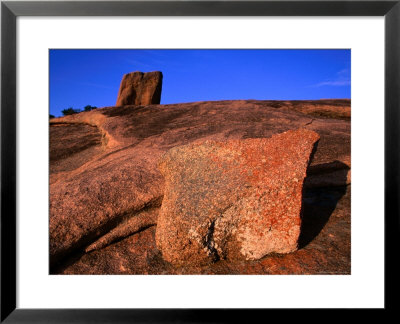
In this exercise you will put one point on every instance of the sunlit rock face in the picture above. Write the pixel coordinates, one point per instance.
(235, 200)
(142, 89)
(106, 189)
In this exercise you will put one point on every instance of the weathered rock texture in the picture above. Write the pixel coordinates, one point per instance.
(233, 200)
(138, 88)
(82, 143)
(106, 188)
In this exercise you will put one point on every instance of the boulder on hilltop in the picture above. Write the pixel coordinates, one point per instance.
(142, 89)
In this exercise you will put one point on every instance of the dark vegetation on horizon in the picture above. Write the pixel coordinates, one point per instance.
(72, 111)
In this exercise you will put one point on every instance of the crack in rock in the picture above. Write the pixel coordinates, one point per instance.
(309, 123)
(130, 224)
(210, 244)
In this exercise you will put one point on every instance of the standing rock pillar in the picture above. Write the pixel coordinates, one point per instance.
(138, 88)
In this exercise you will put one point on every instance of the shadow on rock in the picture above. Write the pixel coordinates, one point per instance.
(320, 202)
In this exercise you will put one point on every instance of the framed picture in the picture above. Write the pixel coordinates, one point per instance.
(287, 69)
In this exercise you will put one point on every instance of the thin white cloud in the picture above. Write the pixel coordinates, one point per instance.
(334, 83)
(343, 72)
(342, 79)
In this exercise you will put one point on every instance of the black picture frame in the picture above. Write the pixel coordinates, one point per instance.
(10, 10)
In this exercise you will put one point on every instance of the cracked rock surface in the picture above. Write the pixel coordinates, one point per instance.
(106, 189)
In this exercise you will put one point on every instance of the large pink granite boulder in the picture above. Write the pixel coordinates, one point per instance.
(235, 200)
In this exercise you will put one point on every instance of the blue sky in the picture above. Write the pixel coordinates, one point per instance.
(92, 77)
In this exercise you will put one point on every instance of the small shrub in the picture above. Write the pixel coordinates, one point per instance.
(89, 108)
(70, 111)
